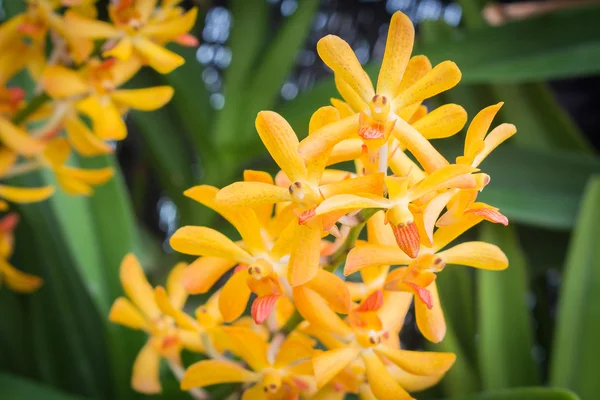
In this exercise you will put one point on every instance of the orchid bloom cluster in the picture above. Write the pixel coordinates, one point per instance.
(78, 102)
(311, 333)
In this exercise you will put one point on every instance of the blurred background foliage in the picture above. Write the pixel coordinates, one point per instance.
(536, 324)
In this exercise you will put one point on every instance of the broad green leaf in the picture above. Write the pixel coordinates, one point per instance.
(15, 336)
(576, 352)
(505, 333)
(462, 377)
(530, 393)
(16, 388)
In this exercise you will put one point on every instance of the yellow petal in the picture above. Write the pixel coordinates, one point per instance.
(431, 322)
(159, 58)
(145, 8)
(476, 254)
(60, 82)
(329, 363)
(89, 176)
(413, 383)
(394, 310)
(175, 289)
(251, 194)
(122, 50)
(305, 255)
(18, 140)
(74, 187)
(419, 113)
(17, 280)
(122, 71)
(498, 135)
(323, 140)
(398, 47)
(234, 296)
(108, 124)
(282, 143)
(57, 152)
(25, 195)
(442, 122)
(296, 347)
(79, 26)
(213, 372)
(418, 362)
(8, 158)
(372, 183)
(446, 234)
(203, 273)
(442, 77)
(170, 29)
(343, 108)
(429, 158)
(148, 99)
(83, 139)
(433, 210)
(402, 165)
(346, 150)
(316, 311)
(320, 118)
(352, 98)
(479, 127)
(146, 371)
(263, 212)
(418, 67)
(382, 384)
(350, 202)
(182, 319)
(338, 55)
(203, 241)
(255, 392)
(244, 220)
(374, 254)
(332, 289)
(123, 312)
(379, 232)
(137, 288)
(191, 341)
(439, 179)
(286, 240)
(248, 345)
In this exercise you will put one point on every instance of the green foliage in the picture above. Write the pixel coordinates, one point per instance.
(15, 388)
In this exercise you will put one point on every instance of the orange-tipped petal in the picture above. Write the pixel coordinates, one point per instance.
(476, 254)
(329, 363)
(323, 140)
(332, 289)
(234, 296)
(488, 213)
(136, 286)
(372, 303)
(442, 122)
(338, 55)
(123, 312)
(316, 311)
(431, 321)
(382, 384)
(400, 40)
(146, 370)
(305, 255)
(282, 143)
(442, 77)
(262, 307)
(148, 99)
(407, 238)
(252, 194)
(213, 372)
(203, 273)
(203, 241)
(371, 255)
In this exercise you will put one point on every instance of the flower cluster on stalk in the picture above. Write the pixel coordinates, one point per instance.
(61, 100)
(313, 334)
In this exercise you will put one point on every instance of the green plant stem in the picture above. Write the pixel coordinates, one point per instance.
(31, 107)
(340, 254)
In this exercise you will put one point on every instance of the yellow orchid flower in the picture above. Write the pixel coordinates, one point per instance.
(93, 91)
(140, 311)
(419, 275)
(305, 185)
(402, 85)
(73, 180)
(263, 262)
(139, 29)
(16, 194)
(374, 359)
(10, 276)
(277, 371)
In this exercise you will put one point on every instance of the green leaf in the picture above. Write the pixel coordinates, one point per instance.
(505, 332)
(576, 351)
(532, 393)
(15, 388)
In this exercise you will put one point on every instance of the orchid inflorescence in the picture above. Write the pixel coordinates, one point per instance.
(77, 92)
(312, 334)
